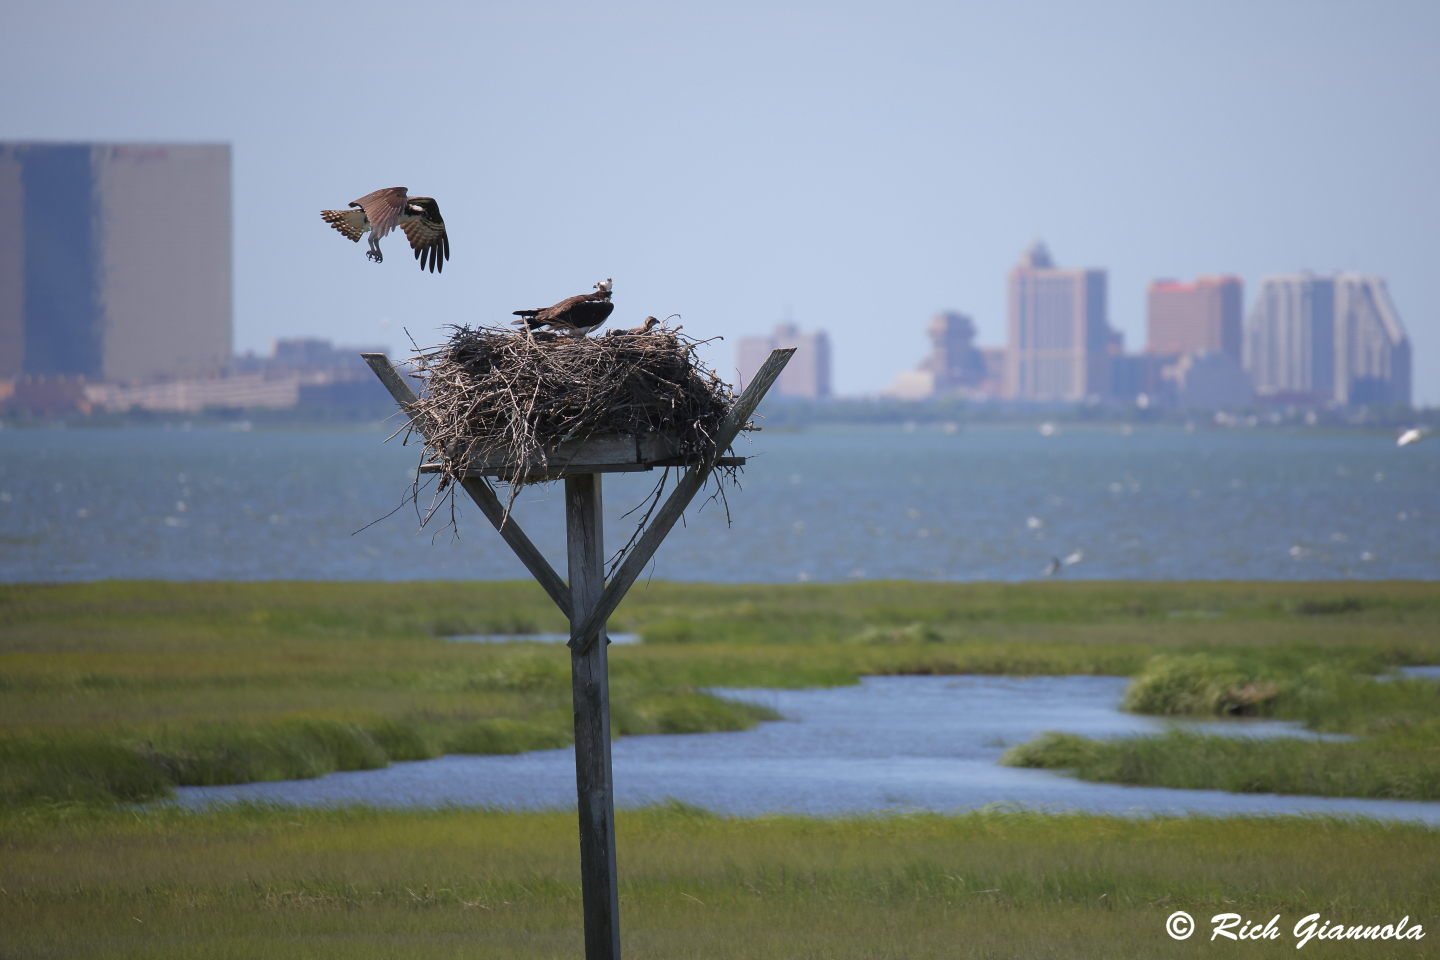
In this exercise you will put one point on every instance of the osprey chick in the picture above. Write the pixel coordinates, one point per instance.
(382, 211)
(650, 324)
(576, 315)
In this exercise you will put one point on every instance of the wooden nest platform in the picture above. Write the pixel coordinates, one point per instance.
(527, 408)
(523, 408)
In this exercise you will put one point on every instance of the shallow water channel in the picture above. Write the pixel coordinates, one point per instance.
(889, 743)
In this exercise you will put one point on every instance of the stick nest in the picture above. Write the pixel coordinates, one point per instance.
(492, 391)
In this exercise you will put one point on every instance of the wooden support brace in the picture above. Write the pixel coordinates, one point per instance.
(484, 497)
(634, 563)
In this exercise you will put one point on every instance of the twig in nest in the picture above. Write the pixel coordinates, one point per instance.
(510, 399)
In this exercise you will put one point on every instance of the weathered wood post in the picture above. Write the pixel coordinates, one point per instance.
(588, 602)
(590, 689)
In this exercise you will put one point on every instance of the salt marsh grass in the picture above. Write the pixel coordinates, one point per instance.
(122, 689)
(1390, 728)
(256, 881)
(115, 691)
(1401, 766)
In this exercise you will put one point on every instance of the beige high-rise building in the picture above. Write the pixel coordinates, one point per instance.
(955, 367)
(1323, 338)
(115, 260)
(954, 361)
(1195, 317)
(805, 377)
(1059, 338)
(1372, 350)
(1290, 337)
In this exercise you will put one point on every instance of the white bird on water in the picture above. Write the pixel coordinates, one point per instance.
(1074, 558)
(1410, 436)
(1053, 567)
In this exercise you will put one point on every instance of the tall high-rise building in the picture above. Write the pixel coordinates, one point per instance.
(954, 361)
(1059, 338)
(114, 259)
(1372, 351)
(1195, 317)
(1290, 340)
(805, 377)
(954, 366)
(1328, 338)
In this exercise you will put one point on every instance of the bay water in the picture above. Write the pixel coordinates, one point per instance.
(832, 504)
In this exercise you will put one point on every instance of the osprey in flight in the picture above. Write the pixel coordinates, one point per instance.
(576, 315)
(383, 211)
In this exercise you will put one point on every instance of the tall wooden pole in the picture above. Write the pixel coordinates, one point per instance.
(588, 602)
(590, 688)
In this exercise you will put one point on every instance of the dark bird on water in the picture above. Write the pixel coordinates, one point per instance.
(382, 211)
(650, 324)
(576, 315)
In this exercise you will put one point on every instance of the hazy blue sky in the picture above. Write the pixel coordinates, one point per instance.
(859, 164)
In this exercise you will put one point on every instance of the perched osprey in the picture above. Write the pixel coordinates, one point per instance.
(383, 211)
(650, 324)
(576, 315)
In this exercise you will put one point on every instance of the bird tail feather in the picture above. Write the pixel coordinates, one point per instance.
(350, 223)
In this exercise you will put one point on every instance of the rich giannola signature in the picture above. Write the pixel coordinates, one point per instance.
(1233, 926)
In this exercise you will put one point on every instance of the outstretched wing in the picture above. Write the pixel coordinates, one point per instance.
(384, 208)
(427, 235)
(351, 223)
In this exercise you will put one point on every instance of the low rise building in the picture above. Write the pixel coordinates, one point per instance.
(1208, 380)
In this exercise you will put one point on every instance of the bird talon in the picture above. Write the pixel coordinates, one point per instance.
(374, 255)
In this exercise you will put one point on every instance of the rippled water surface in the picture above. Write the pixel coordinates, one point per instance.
(983, 503)
(928, 743)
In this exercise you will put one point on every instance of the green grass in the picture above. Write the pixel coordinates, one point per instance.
(1394, 726)
(120, 690)
(1393, 767)
(259, 882)
(115, 691)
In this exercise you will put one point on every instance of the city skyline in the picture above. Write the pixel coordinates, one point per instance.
(99, 217)
(852, 163)
(1307, 338)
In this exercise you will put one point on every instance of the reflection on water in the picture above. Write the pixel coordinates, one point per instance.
(825, 505)
(889, 743)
